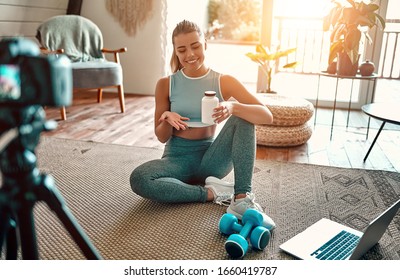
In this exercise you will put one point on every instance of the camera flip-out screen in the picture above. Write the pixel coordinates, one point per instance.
(10, 82)
(29, 78)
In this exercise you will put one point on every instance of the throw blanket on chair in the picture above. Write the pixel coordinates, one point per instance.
(80, 38)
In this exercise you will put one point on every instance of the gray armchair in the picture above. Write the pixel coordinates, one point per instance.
(82, 41)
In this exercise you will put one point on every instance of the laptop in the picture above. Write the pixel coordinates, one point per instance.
(329, 240)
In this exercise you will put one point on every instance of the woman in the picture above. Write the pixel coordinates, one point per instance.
(194, 158)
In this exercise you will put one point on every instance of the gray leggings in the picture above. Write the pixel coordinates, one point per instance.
(180, 174)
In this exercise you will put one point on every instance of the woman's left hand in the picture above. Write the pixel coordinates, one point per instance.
(222, 112)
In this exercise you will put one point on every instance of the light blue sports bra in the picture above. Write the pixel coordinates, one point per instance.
(185, 94)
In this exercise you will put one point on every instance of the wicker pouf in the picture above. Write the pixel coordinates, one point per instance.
(290, 126)
(283, 136)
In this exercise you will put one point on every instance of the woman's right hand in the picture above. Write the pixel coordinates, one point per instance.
(174, 119)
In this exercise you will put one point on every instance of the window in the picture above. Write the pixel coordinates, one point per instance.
(234, 20)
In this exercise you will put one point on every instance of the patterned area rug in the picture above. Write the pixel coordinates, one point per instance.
(93, 178)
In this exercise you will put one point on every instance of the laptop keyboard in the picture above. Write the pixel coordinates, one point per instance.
(338, 248)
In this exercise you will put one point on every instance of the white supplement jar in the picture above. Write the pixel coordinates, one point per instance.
(208, 103)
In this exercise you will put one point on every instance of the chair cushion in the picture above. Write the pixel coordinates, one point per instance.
(96, 74)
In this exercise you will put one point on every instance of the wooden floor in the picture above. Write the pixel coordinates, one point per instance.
(102, 122)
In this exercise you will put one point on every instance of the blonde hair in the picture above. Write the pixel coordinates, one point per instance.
(182, 27)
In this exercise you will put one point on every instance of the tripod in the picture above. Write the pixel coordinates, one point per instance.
(23, 186)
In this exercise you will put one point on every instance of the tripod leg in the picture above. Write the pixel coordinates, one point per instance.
(27, 234)
(16, 224)
(3, 228)
(8, 234)
(55, 201)
(77, 233)
(12, 243)
(23, 185)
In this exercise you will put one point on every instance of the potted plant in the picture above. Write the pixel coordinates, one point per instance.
(348, 23)
(268, 61)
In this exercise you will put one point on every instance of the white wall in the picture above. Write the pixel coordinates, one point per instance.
(143, 63)
(148, 56)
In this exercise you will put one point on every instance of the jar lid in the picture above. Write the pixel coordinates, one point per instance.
(210, 93)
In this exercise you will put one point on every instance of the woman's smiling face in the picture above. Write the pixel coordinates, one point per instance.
(190, 47)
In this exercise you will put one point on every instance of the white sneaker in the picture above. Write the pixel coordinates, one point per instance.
(239, 206)
(223, 191)
(218, 182)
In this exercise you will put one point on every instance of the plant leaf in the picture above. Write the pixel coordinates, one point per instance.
(291, 65)
(336, 47)
(326, 24)
(332, 17)
(353, 55)
(254, 57)
(337, 32)
(369, 39)
(372, 7)
(260, 49)
(352, 39)
(352, 3)
(350, 16)
(363, 8)
(284, 53)
(381, 20)
(368, 20)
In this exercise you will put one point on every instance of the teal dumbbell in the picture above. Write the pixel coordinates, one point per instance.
(236, 245)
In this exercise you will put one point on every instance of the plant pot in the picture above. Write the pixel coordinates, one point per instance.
(344, 65)
(267, 92)
(332, 68)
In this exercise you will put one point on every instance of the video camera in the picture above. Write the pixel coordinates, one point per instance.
(28, 78)
(29, 81)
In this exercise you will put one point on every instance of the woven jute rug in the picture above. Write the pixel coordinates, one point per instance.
(93, 179)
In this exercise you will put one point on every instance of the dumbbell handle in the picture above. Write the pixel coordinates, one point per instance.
(243, 230)
(246, 229)
(237, 227)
